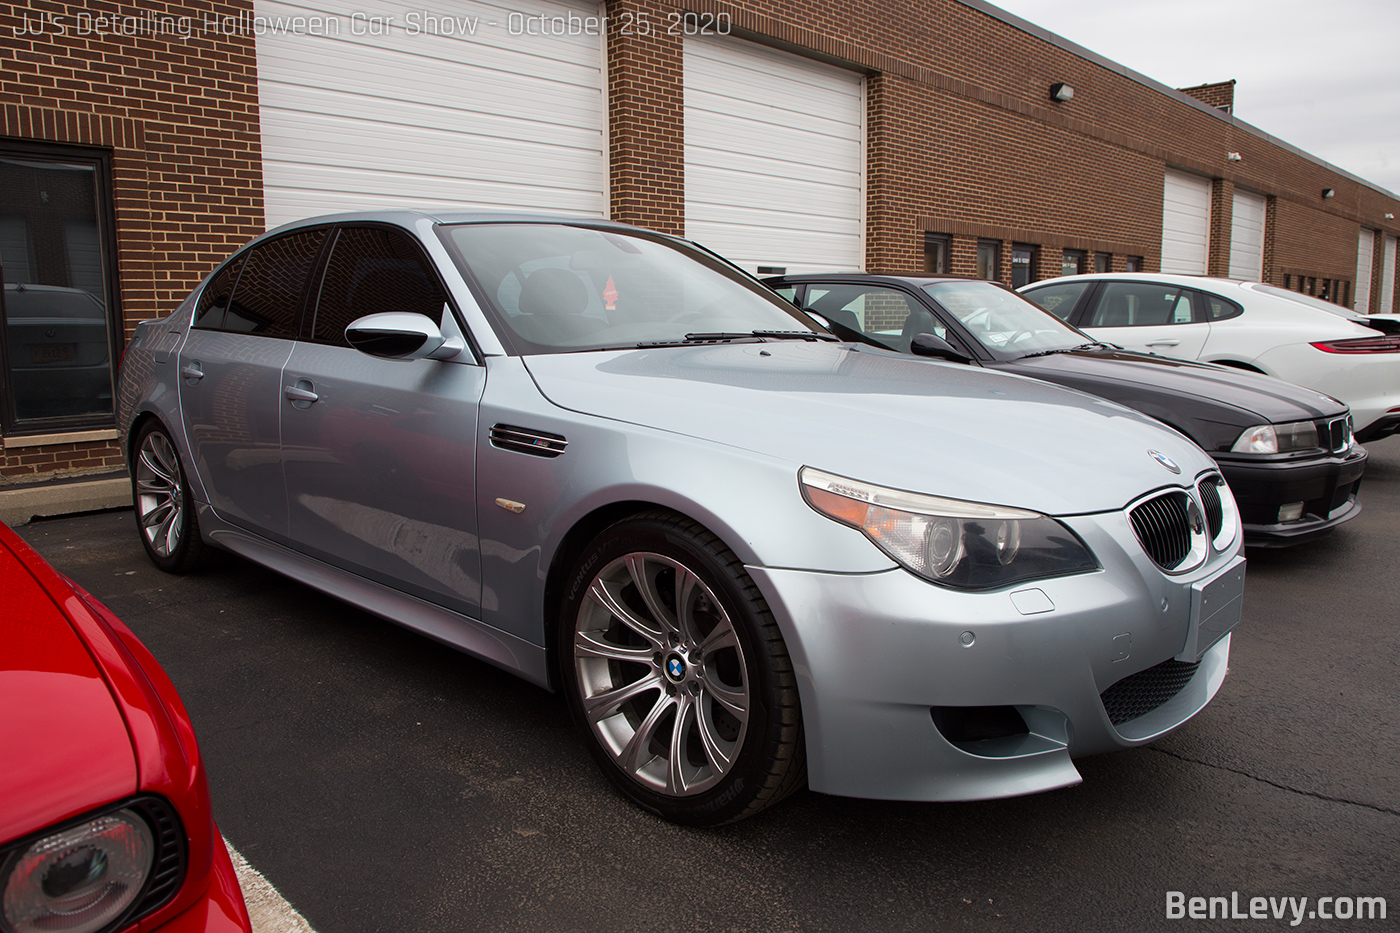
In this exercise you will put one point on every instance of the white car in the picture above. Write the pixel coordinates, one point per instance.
(1250, 325)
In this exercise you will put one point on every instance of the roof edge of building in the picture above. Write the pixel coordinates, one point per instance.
(1074, 48)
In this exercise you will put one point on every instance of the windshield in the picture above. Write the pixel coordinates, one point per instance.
(553, 287)
(1308, 300)
(1003, 321)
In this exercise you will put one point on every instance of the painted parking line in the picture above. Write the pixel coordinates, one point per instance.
(268, 909)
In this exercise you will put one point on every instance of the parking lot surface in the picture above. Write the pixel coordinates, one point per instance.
(384, 782)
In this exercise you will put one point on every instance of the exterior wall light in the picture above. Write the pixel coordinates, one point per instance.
(1233, 157)
(1061, 91)
(1327, 192)
(1389, 216)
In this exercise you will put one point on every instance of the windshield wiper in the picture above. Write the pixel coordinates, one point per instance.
(758, 336)
(1083, 346)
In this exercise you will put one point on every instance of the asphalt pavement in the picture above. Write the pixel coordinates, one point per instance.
(386, 783)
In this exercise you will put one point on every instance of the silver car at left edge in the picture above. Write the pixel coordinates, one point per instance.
(752, 557)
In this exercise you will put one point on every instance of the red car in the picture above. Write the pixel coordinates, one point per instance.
(105, 822)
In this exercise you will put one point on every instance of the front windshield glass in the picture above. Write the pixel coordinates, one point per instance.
(1003, 321)
(1308, 300)
(559, 287)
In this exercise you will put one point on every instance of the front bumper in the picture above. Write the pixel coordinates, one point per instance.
(880, 656)
(1326, 486)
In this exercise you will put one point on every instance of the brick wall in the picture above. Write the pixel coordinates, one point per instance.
(178, 114)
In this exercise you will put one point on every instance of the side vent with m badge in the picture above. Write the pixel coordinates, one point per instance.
(527, 440)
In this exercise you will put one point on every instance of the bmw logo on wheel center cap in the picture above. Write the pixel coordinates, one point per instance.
(675, 668)
(1164, 460)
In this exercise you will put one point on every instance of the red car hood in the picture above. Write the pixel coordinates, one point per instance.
(64, 746)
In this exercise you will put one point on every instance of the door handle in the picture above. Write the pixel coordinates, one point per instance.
(1163, 343)
(300, 395)
(192, 372)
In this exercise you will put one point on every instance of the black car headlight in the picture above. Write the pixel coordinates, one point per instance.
(91, 875)
(967, 545)
(1277, 438)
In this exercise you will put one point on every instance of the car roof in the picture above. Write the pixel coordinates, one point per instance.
(1174, 278)
(410, 218)
(866, 277)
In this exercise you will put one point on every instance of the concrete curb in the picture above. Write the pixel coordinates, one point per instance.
(18, 506)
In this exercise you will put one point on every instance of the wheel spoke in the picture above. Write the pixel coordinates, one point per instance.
(709, 738)
(158, 515)
(675, 767)
(631, 758)
(147, 488)
(604, 596)
(686, 582)
(591, 645)
(602, 704)
(148, 460)
(734, 700)
(664, 616)
(721, 637)
(171, 530)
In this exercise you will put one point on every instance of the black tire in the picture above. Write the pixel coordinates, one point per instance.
(692, 644)
(165, 515)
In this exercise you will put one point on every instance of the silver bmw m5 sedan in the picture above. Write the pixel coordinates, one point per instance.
(753, 557)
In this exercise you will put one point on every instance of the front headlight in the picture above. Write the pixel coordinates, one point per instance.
(968, 545)
(1274, 439)
(80, 879)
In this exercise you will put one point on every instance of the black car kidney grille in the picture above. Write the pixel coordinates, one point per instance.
(168, 868)
(527, 440)
(1163, 528)
(1139, 694)
(1210, 502)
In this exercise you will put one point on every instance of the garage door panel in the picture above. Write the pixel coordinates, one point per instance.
(774, 157)
(1185, 223)
(494, 120)
(1247, 236)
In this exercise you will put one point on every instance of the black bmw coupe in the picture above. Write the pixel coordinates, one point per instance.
(1286, 451)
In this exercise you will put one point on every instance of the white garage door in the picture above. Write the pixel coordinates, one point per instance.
(453, 104)
(1185, 223)
(1247, 236)
(774, 157)
(1365, 247)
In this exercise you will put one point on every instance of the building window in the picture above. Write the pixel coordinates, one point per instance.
(936, 249)
(1022, 265)
(1072, 262)
(989, 260)
(59, 320)
(1103, 262)
(1132, 264)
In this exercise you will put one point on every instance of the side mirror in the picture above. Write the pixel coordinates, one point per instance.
(401, 335)
(938, 348)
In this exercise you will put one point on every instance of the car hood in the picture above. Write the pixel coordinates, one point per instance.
(1257, 397)
(66, 745)
(882, 417)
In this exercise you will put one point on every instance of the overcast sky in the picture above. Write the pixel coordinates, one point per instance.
(1323, 75)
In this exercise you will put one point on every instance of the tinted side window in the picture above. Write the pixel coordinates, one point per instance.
(214, 299)
(1059, 300)
(372, 270)
(1218, 309)
(889, 316)
(1140, 304)
(273, 285)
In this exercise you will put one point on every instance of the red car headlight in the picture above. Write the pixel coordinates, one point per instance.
(92, 875)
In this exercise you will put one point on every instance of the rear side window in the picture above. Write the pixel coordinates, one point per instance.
(1140, 304)
(1218, 309)
(373, 270)
(272, 285)
(1059, 300)
(214, 300)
